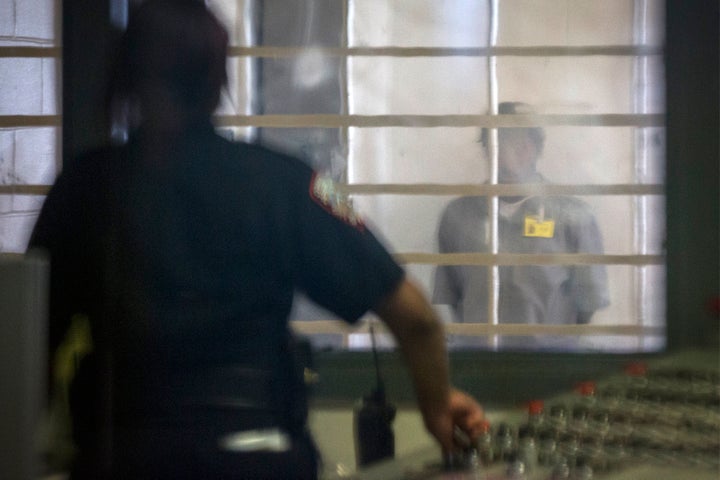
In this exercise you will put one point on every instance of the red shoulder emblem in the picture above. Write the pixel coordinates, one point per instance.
(324, 192)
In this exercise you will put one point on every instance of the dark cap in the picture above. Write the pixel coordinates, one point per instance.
(537, 134)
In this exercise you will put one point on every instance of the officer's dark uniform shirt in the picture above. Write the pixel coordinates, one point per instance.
(187, 269)
(534, 294)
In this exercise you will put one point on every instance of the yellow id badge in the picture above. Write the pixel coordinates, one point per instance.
(536, 228)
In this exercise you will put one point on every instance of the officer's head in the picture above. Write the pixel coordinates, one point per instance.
(518, 147)
(171, 60)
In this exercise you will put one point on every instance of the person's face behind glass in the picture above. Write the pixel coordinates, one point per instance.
(517, 156)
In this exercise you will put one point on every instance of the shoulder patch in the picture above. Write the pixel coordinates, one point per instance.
(324, 192)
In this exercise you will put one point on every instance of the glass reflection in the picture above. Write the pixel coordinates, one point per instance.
(406, 59)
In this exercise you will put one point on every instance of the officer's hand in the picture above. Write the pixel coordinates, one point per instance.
(461, 411)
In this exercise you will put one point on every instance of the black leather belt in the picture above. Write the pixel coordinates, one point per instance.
(242, 397)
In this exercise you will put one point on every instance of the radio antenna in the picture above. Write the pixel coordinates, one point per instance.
(380, 384)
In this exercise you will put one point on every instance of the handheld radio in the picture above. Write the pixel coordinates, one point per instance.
(373, 416)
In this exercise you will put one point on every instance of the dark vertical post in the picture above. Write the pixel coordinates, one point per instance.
(693, 198)
(87, 40)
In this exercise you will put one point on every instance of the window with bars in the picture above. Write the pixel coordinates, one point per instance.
(29, 114)
(390, 99)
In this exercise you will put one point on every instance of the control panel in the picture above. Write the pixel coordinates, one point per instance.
(647, 422)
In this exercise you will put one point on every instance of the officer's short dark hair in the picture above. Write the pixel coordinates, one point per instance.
(179, 42)
(536, 134)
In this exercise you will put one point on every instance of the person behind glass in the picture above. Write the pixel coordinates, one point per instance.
(183, 250)
(536, 294)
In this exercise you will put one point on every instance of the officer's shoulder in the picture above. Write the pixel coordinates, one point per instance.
(97, 156)
(93, 164)
(273, 161)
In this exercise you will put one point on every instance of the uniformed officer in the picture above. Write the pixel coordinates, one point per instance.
(183, 250)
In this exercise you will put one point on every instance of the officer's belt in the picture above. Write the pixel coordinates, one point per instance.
(241, 394)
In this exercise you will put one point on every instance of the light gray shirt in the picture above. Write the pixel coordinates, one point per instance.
(536, 294)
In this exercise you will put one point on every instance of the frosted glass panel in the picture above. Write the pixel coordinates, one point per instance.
(428, 86)
(549, 22)
(568, 84)
(462, 23)
(458, 85)
(7, 20)
(236, 99)
(416, 155)
(20, 205)
(571, 155)
(29, 156)
(27, 86)
(15, 229)
(234, 16)
(35, 19)
(423, 23)
(30, 22)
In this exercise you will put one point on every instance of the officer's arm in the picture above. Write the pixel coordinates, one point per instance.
(421, 338)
